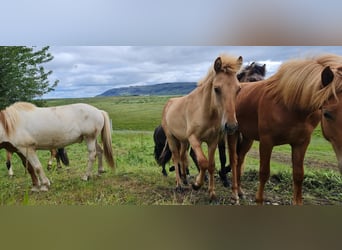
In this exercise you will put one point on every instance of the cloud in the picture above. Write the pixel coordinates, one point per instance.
(90, 70)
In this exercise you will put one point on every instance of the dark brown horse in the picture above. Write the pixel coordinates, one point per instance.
(283, 109)
(202, 116)
(250, 73)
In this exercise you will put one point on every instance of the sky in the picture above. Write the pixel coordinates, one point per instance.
(87, 71)
(101, 44)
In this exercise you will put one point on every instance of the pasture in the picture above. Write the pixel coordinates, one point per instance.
(137, 179)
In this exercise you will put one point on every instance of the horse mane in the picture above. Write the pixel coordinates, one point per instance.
(229, 65)
(9, 117)
(252, 72)
(298, 82)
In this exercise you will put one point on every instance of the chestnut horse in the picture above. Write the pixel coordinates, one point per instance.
(23, 129)
(331, 121)
(202, 116)
(283, 109)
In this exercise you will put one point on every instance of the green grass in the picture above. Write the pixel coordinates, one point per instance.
(138, 180)
(127, 113)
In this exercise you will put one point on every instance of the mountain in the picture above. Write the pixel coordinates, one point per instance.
(170, 88)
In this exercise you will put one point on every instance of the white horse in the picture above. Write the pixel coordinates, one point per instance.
(27, 128)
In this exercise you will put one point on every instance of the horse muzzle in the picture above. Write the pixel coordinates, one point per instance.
(231, 128)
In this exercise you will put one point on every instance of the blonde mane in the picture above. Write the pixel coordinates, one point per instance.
(298, 82)
(10, 117)
(229, 65)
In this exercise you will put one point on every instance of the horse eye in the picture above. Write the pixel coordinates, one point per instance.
(327, 115)
(217, 90)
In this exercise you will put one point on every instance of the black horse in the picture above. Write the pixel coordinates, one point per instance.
(250, 73)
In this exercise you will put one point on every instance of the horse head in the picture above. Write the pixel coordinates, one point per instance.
(331, 121)
(225, 88)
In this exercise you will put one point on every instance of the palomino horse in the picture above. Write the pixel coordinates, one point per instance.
(283, 109)
(202, 116)
(23, 129)
(250, 73)
(59, 154)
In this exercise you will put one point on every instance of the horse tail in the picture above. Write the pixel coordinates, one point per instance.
(106, 136)
(159, 139)
(165, 156)
(62, 154)
(162, 153)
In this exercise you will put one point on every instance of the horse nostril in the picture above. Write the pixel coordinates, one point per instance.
(231, 128)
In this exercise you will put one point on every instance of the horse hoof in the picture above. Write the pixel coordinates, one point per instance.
(213, 197)
(35, 189)
(164, 172)
(85, 178)
(195, 186)
(179, 189)
(101, 172)
(235, 199)
(44, 188)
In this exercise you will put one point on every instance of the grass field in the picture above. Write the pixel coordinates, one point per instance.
(138, 180)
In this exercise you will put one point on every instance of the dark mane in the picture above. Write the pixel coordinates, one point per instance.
(252, 73)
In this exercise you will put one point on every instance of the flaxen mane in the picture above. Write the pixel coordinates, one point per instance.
(229, 65)
(298, 82)
(9, 117)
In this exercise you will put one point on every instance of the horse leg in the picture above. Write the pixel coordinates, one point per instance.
(91, 146)
(174, 146)
(58, 159)
(265, 151)
(202, 161)
(194, 158)
(99, 154)
(8, 163)
(33, 159)
(223, 159)
(298, 153)
(233, 159)
(52, 155)
(27, 165)
(176, 162)
(211, 170)
(184, 161)
(242, 149)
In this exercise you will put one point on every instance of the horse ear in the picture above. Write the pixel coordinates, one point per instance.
(327, 76)
(240, 60)
(218, 64)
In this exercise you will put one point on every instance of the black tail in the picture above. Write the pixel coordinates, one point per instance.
(62, 154)
(162, 153)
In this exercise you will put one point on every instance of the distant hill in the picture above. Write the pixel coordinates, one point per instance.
(170, 88)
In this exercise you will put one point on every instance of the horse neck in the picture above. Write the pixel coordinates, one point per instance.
(208, 99)
(3, 126)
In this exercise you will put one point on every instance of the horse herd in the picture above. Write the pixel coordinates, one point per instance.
(224, 109)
